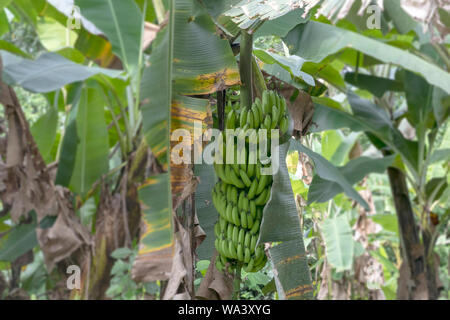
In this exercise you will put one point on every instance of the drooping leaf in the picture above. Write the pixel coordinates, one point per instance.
(206, 212)
(375, 85)
(121, 22)
(69, 143)
(315, 41)
(18, 241)
(47, 73)
(203, 63)
(293, 64)
(44, 131)
(93, 146)
(7, 46)
(339, 242)
(281, 223)
(327, 171)
(322, 190)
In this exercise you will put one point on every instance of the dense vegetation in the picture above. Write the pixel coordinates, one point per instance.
(90, 119)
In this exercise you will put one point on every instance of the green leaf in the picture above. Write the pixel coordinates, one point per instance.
(156, 206)
(91, 160)
(121, 22)
(203, 62)
(282, 25)
(444, 16)
(7, 46)
(47, 73)
(293, 64)
(419, 96)
(376, 85)
(322, 190)
(18, 241)
(281, 223)
(377, 122)
(121, 253)
(440, 155)
(44, 131)
(339, 242)
(387, 221)
(206, 213)
(4, 3)
(70, 143)
(327, 171)
(403, 22)
(315, 41)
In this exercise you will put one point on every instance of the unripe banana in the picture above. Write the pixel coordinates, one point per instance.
(268, 122)
(247, 255)
(253, 209)
(265, 179)
(241, 236)
(260, 200)
(230, 232)
(250, 119)
(231, 120)
(249, 221)
(243, 219)
(254, 230)
(229, 212)
(252, 191)
(245, 178)
(247, 239)
(250, 265)
(253, 243)
(240, 252)
(265, 102)
(241, 200)
(232, 250)
(235, 235)
(275, 117)
(256, 117)
(235, 217)
(284, 125)
(243, 118)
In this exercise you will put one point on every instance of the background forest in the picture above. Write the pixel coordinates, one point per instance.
(91, 94)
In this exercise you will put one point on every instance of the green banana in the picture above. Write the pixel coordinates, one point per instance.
(243, 219)
(229, 212)
(256, 117)
(245, 178)
(243, 118)
(265, 179)
(234, 179)
(253, 243)
(261, 200)
(231, 120)
(275, 117)
(249, 221)
(249, 266)
(284, 125)
(268, 122)
(253, 209)
(241, 199)
(232, 250)
(235, 234)
(252, 192)
(230, 232)
(247, 239)
(240, 252)
(255, 227)
(241, 237)
(247, 255)
(250, 119)
(235, 217)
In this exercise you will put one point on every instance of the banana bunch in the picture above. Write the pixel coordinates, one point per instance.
(242, 191)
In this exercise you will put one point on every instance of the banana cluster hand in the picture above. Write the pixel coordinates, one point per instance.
(242, 191)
